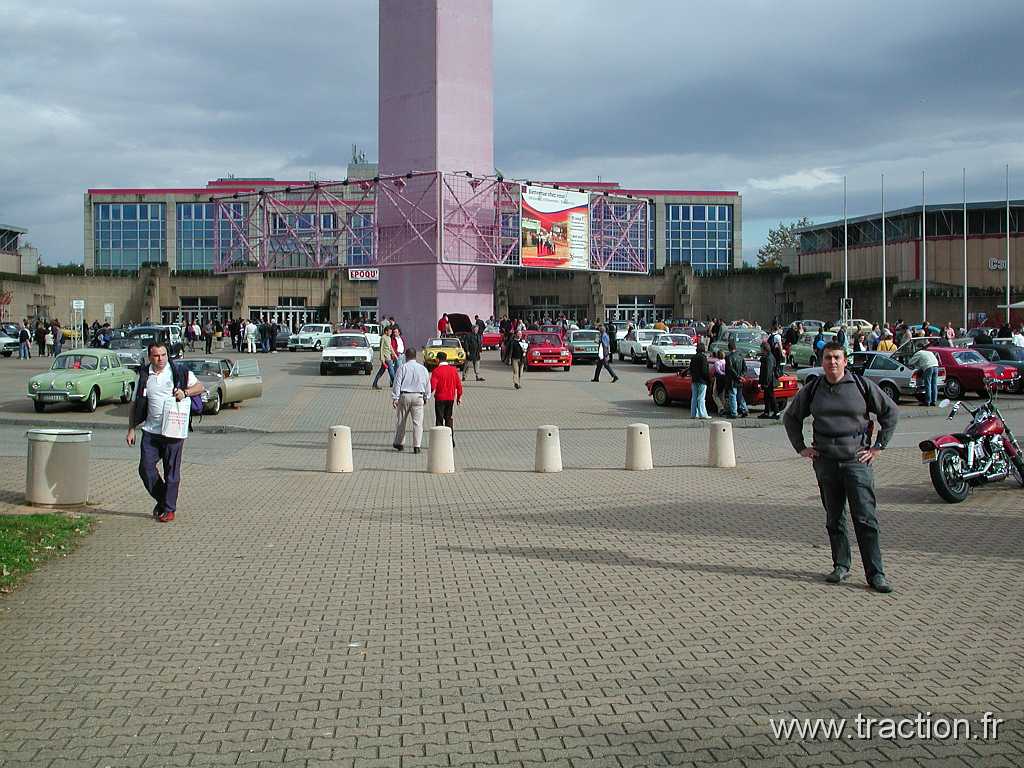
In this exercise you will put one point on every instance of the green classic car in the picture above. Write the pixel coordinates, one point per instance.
(803, 353)
(748, 341)
(83, 376)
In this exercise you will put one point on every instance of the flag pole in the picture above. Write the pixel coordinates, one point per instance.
(846, 259)
(1007, 243)
(924, 257)
(883, 251)
(965, 250)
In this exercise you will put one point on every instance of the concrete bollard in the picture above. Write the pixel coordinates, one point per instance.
(441, 456)
(548, 455)
(638, 447)
(339, 449)
(720, 449)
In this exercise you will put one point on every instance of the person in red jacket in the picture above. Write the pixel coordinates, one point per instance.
(446, 386)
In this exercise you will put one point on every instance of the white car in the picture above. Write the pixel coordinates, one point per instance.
(311, 336)
(670, 350)
(372, 331)
(635, 343)
(8, 345)
(347, 351)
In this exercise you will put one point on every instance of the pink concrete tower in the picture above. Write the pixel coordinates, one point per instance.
(436, 113)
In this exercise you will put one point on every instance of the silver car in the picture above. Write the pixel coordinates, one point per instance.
(892, 377)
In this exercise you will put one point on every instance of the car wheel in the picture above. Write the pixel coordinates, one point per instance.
(213, 406)
(6, 354)
(323, 370)
(649, 363)
(621, 357)
(954, 389)
(891, 391)
(40, 407)
(127, 391)
(93, 400)
(661, 365)
(318, 346)
(660, 395)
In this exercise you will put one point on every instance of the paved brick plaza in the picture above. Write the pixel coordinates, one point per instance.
(498, 617)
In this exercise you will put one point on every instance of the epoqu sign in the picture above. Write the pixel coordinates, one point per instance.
(364, 273)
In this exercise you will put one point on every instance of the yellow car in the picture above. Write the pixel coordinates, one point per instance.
(452, 348)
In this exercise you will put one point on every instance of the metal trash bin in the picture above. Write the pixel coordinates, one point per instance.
(57, 473)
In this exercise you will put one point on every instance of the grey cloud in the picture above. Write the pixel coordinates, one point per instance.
(655, 94)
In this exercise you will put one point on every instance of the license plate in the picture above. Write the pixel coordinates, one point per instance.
(927, 457)
(52, 398)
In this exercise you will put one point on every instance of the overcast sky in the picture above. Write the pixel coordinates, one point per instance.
(776, 100)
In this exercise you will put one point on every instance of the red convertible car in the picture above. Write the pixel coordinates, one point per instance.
(490, 338)
(677, 388)
(967, 370)
(546, 350)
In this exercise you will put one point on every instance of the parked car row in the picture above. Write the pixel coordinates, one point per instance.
(90, 377)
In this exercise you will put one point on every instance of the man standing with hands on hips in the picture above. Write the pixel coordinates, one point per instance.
(841, 403)
(159, 382)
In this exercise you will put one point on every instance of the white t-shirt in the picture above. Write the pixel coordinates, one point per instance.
(1018, 339)
(159, 389)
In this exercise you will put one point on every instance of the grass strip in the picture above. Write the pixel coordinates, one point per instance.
(27, 541)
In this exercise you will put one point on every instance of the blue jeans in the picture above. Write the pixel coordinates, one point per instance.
(24, 350)
(736, 401)
(389, 366)
(931, 385)
(698, 406)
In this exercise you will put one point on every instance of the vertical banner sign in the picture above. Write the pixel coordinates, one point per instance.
(555, 228)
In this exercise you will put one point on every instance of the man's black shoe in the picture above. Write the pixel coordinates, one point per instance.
(838, 575)
(397, 447)
(480, 379)
(594, 380)
(879, 584)
(415, 450)
(765, 416)
(157, 511)
(614, 379)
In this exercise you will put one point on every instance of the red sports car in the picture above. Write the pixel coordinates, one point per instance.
(490, 338)
(677, 387)
(546, 350)
(968, 371)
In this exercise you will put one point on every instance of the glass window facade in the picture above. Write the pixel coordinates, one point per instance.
(195, 233)
(699, 235)
(360, 241)
(128, 235)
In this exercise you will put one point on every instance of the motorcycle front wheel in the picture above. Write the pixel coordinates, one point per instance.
(1017, 469)
(946, 472)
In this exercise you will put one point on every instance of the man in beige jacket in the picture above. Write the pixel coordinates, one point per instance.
(387, 358)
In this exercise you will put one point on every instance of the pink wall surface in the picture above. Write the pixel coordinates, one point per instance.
(436, 112)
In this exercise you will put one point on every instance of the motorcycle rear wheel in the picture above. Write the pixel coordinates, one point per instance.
(945, 472)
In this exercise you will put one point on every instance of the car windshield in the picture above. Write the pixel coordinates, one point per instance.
(674, 340)
(126, 344)
(749, 337)
(545, 338)
(446, 342)
(551, 329)
(311, 329)
(348, 341)
(199, 367)
(74, 362)
(1013, 353)
(492, 329)
(968, 356)
(585, 336)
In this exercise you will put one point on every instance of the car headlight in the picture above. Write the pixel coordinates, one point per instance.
(34, 385)
(535, 354)
(70, 385)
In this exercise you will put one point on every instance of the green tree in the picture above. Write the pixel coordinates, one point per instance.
(780, 239)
